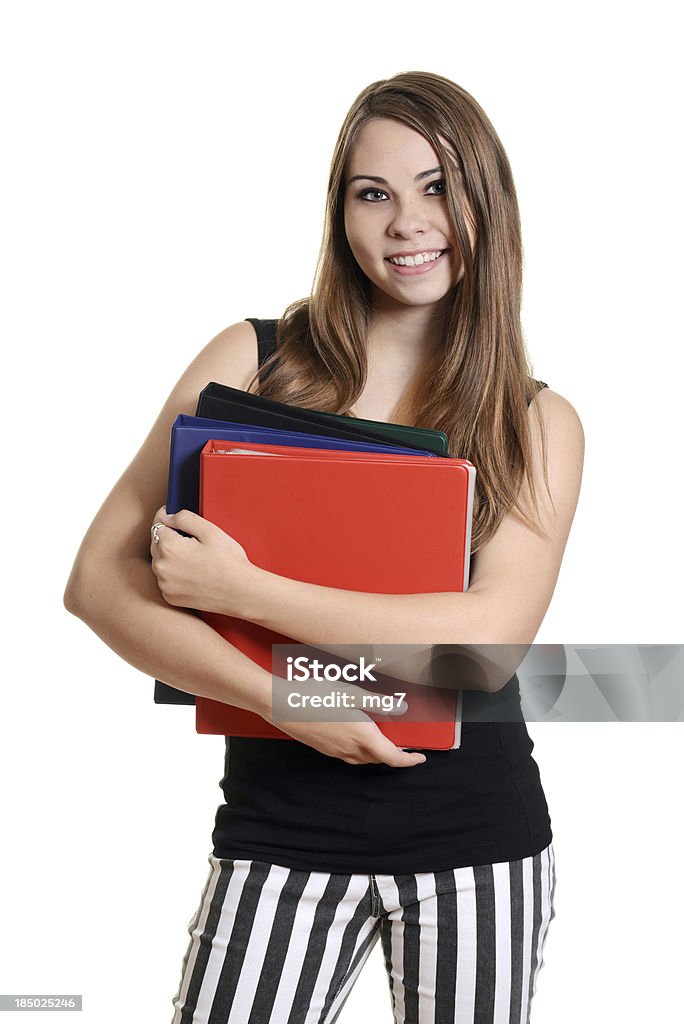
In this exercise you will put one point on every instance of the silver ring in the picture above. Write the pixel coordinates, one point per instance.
(155, 532)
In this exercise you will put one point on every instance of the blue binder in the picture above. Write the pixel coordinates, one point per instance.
(189, 434)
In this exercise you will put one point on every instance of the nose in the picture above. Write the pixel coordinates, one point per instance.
(409, 220)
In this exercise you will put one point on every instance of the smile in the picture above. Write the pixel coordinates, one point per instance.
(419, 264)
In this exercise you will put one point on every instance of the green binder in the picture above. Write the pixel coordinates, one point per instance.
(434, 440)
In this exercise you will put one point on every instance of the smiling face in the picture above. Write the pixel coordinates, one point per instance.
(395, 205)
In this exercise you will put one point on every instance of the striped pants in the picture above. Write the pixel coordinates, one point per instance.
(274, 945)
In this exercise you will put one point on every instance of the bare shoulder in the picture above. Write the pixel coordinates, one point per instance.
(516, 571)
(231, 357)
(556, 407)
(121, 527)
(552, 416)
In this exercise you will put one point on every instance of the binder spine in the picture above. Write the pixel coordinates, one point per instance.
(469, 525)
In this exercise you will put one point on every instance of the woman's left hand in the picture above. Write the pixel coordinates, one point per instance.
(208, 571)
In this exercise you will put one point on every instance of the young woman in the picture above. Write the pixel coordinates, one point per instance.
(322, 846)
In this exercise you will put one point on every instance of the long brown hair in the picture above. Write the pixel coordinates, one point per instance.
(477, 385)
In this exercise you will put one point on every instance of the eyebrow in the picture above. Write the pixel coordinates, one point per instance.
(383, 181)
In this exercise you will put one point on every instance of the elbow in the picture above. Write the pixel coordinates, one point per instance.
(497, 659)
(502, 638)
(72, 599)
(80, 592)
(73, 603)
(71, 591)
(69, 600)
(509, 654)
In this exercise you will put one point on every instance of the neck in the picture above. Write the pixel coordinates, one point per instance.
(402, 340)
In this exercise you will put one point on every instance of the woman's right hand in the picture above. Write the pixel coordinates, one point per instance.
(353, 736)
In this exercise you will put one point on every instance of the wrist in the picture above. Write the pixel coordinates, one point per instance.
(257, 596)
(262, 703)
(248, 603)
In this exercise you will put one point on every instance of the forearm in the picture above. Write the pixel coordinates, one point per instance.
(401, 629)
(122, 604)
(325, 615)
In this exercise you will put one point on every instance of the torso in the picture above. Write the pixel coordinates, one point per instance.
(376, 402)
(286, 803)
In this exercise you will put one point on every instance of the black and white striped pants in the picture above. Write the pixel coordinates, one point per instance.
(274, 945)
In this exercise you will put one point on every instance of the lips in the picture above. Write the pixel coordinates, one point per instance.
(422, 268)
(414, 253)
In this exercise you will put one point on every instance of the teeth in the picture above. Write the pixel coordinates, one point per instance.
(414, 261)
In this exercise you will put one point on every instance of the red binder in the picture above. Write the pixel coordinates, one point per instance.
(373, 522)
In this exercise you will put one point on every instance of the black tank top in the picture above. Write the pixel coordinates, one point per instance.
(288, 804)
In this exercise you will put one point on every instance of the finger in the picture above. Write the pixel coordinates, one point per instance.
(188, 522)
(400, 758)
(396, 757)
(156, 530)
(389, 753)
(416, 756)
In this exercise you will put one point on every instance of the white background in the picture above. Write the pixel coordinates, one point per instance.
(164, 175)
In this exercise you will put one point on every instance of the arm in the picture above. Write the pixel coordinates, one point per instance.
(112, 587)
(114, 590)
(122, 604)
(511, 586)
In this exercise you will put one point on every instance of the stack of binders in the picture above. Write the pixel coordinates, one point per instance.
(329, 500)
